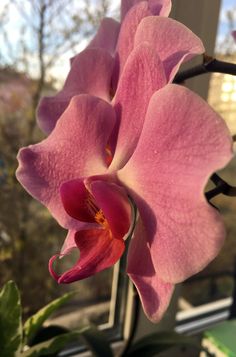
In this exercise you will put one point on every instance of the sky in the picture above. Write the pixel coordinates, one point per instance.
(223, 22)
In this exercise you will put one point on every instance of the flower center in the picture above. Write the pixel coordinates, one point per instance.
(96, 212)
(100, 219)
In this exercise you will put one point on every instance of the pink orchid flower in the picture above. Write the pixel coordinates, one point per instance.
(162, 168)
(99, 67)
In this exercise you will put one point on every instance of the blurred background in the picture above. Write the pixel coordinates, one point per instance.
(38, 37)
(37, 40)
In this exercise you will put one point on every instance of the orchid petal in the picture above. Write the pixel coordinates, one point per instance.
(69, 242)
(126, 5)
(158, 7)
(182, 143)
(154, 293)
(106, 36)
(125, 42)
(98, 251)
(173, 41)
(80, 80)
(113, 201)
(75, 198)
(83, 128)
(142, 76)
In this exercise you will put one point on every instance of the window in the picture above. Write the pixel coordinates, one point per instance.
(207, 297)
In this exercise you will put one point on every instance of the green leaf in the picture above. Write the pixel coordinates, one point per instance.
(93, 338)
(46, 333)
(52, 346)
(10, 320)
(96, 341)
(34, 323)
(156, 343)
